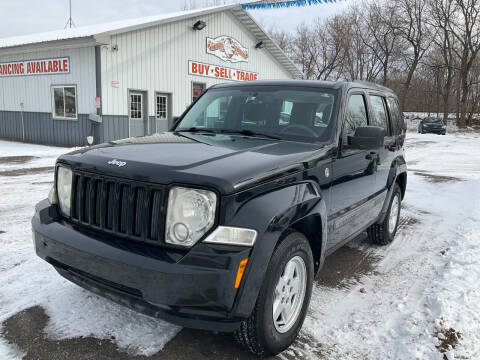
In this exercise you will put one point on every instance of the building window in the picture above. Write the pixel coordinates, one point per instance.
(136, 109)
(161, 107)
(64, 102)
(197, 90)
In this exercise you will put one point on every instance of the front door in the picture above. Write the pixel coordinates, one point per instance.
(353, 178)
(138, 116)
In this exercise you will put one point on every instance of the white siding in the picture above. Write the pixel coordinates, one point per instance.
(35, 91)
(156, 59)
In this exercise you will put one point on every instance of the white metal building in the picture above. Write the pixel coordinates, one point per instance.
(135, 74)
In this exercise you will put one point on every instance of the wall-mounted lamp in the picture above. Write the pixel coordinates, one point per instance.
(115, 47)
(199, 25)
(260, 45)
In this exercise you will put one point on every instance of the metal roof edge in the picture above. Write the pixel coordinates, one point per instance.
(287, 62)
(200, 12)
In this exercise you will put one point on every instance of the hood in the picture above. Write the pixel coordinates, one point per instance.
(224, 162)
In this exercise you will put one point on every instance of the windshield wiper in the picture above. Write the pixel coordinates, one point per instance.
(250, 133)
(197, 129)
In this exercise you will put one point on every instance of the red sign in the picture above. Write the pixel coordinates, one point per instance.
(220, 72)
(97, 103)
(52, 66)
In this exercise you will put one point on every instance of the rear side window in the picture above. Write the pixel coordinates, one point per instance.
(379, 113)
(356, 115)
(396, 115)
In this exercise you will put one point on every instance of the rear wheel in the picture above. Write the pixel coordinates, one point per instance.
(283, 300)
(384, 233)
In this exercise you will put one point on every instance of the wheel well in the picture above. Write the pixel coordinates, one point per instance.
(311, 227)
(402, 182)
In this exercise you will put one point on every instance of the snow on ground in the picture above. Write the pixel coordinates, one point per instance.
(420, 291)
(427, 280)
(26, 280)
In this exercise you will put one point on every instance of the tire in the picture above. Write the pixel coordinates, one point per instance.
(260, 333)
(384, 233)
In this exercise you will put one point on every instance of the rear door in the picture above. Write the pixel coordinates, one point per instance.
(353, 177)
(379, 117)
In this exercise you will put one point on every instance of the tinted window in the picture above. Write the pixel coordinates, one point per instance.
(379, 113)
(396, 115)
(356, 116)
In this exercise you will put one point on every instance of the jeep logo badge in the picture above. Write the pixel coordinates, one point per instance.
(117, 163)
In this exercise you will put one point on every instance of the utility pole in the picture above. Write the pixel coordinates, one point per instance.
(70, 22)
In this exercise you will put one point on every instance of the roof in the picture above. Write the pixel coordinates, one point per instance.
(118, 27)
(310, 83)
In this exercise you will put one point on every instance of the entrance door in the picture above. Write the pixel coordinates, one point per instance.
(163, 112)
(138, 116)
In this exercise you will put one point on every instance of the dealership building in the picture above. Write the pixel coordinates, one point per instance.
(127, 78)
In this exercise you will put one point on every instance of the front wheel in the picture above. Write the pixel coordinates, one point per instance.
(384, 233)
(283, 300)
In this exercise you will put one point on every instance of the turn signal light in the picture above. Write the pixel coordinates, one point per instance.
(241, 270)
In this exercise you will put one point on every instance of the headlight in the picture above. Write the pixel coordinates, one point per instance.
(52, 196)
(64, 189)
(232, 236)
(190, 214)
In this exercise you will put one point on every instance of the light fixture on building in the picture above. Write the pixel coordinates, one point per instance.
(260, 45)
(199, 25)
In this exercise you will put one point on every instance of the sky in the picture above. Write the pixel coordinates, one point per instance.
(21, 17)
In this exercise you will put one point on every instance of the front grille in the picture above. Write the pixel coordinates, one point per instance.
(117, 206)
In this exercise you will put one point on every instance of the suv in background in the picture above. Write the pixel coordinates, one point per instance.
(223, 223)
(432, 125)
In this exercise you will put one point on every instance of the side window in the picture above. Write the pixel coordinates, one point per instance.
(161, 107)
(197, 90)
(379, 113)
(396, 115)
(136, 107)
(64, 102)
(355, 116)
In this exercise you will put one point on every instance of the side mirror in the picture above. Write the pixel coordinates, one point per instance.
(368, 137)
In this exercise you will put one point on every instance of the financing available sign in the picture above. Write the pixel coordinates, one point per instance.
(52, 66)
(220, 72)
(227, 48)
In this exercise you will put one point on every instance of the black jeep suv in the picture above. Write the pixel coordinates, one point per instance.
(223, 223)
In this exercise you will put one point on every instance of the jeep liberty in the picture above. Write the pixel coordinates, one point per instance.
(223, 222)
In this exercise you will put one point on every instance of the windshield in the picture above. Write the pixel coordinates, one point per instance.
(432, 120)
(288, 113)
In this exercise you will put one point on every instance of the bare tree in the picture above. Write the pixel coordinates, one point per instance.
(409, 23)
(465, 27)
(442, 13)
(384, 42)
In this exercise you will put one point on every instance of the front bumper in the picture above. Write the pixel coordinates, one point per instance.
(194, 290)
(434, 130)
